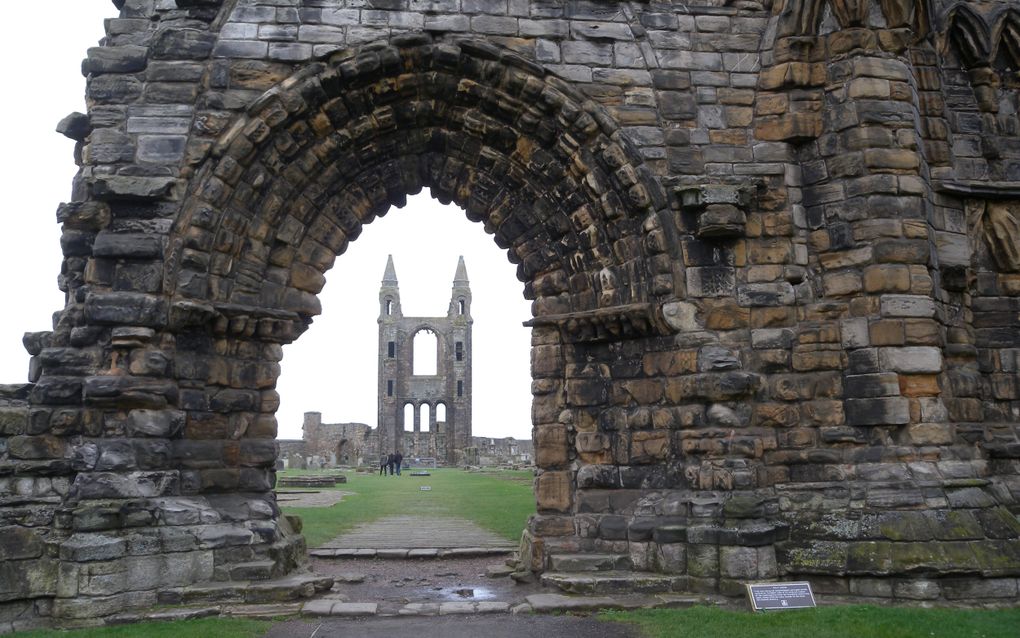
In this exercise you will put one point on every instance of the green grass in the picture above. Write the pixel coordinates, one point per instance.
(219, 627)
(498, 501)
(857, 621)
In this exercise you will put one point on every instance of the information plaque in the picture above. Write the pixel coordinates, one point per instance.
(425, 488)
(770, 596)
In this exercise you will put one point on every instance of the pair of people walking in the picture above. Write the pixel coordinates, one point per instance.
(390, 462)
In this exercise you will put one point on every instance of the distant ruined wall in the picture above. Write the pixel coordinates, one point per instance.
(500, 451)
(771, 248)
(339, 443)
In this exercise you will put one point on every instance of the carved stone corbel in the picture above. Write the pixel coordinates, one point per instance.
(721, 209)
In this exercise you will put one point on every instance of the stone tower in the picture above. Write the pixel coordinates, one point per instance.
(425, 415)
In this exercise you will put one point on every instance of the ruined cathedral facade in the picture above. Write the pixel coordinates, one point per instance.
(772, 249)
(425, 415)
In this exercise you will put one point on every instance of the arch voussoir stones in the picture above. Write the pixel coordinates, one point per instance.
(773, 299)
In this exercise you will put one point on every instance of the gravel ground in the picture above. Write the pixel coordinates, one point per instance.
(399, 582)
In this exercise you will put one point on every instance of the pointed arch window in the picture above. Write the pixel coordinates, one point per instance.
(425, 353)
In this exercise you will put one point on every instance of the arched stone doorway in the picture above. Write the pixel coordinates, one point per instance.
(296, 178)
(187, 331)
(764, 344)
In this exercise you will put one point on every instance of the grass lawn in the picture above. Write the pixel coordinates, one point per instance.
(857, 621)
(218, 627)
(498, 501)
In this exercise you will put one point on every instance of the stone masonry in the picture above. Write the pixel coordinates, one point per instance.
(335, 444)
(500, 451)
(773, 250)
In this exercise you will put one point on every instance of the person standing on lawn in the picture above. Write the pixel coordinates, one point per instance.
(390, 462)
(398, 458)
(383, 462)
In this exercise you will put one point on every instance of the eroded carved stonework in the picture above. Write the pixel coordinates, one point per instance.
(997, 223)
(805, 17)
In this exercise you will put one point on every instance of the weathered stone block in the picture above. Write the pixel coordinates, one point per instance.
(598, 476)
(703, 561)
(907, 306)
(125, 308)
(115, 59)
(877, 411)
(553, 491)
(738, 562)
(866, 386)
(912, 360)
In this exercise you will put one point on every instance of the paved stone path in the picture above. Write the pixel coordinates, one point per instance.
(417, 532)
(323, 498)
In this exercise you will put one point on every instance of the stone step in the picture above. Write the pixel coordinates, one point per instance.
(559, 603)
(590, 562)
(612, 582)
(252, 592)
(416, 552)
(254, 570)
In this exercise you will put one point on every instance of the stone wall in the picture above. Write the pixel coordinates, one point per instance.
(339, 443)
(500, 451)
(772, 252)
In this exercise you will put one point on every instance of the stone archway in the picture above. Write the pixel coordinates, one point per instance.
(764, 344)
(296, 178)
(169, 452)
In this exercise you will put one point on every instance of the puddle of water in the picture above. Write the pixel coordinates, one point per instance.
(462, 593)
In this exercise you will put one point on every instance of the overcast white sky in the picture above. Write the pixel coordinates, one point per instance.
(332, 368)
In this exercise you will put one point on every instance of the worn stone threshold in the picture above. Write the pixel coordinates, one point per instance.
(255, 592)
(611, 582)
(417, 552)
(536, 603)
